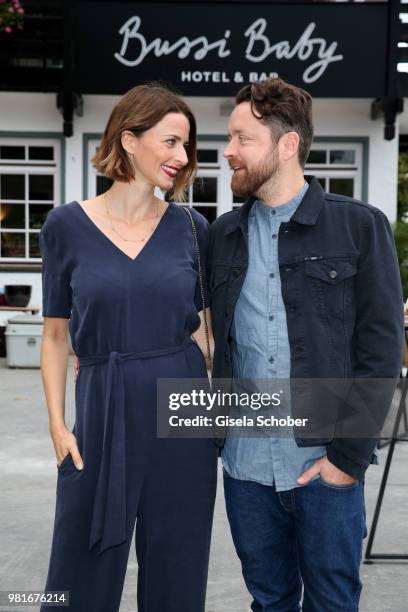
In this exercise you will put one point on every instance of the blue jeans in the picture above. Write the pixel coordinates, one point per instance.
(310, 536)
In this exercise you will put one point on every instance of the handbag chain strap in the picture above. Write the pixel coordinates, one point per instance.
(200, 275)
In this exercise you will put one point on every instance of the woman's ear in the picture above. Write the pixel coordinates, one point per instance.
(127, 140)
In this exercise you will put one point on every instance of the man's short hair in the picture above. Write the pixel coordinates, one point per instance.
(284, 108)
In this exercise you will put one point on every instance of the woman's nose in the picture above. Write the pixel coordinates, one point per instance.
(182, 156)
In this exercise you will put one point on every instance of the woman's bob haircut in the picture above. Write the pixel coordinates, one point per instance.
(141, 108)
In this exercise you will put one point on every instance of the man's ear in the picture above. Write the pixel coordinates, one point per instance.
(289, 145)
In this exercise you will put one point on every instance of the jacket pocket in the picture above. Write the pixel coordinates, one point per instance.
(331, 270)
(331, 282)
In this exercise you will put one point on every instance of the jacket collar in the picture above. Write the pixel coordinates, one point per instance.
(306, 213)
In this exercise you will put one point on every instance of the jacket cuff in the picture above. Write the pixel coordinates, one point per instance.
(351, 466)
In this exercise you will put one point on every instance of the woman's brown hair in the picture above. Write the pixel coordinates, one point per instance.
(141, 108)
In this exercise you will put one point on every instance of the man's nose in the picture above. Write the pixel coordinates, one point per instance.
(228, 151)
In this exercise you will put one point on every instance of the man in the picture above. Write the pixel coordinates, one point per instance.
(304, 284)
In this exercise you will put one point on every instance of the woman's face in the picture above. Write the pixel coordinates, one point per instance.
(159, 153)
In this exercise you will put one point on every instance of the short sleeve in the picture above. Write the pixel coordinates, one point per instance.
(56, 277)
(202, 227)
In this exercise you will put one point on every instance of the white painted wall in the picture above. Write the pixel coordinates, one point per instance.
(339, 117)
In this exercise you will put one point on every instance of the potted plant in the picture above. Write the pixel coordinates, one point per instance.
(11, 16)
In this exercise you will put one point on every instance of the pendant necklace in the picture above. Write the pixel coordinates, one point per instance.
(129, 239)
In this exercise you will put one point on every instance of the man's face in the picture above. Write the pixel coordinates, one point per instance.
(251, 152)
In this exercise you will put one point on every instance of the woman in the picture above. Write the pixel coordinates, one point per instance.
(123, 268)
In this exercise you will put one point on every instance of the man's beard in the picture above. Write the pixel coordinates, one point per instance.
(248, 182)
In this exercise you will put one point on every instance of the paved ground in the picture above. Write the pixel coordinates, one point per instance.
(28, 476)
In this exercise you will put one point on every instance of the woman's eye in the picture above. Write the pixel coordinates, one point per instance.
(170, 141)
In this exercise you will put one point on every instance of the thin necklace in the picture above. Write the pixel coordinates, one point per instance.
(129, 239)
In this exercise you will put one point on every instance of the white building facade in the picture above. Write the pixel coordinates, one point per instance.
(41, 168)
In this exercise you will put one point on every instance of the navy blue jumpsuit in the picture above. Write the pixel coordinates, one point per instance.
(130, 322)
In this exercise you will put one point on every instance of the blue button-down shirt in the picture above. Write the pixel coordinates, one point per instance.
(260, 350)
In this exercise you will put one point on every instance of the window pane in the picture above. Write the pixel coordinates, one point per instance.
(41, 187)
(343, 157)
(102, 184)
(205, 189)
(43, 153)
(322, 181)
(209, 212)
(7, 152)
(343, 186)
(12, 245)
(34, 245)
(37, 215)
(12, 216)
(12, 187)
(316, 157)
(207, 156)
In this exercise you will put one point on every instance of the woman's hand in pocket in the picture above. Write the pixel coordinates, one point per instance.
(65, 442)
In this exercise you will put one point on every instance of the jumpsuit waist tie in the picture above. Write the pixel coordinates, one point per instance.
(108, 523)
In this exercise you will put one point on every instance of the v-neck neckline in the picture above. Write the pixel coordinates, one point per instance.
(115, 246)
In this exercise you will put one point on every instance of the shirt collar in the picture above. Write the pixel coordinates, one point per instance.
(283, 210)
(306, 213)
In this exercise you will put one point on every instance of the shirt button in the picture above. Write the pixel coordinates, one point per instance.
(274, 212)
(274, 236)
(332, 273)
(271, 275)
(271, 359)
(271, 317)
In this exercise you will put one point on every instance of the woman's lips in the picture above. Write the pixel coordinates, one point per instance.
(170, 171)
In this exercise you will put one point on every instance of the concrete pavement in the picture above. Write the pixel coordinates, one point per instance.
(28, 477)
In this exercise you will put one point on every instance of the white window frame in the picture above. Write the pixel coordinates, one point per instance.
(218, 170)
(26, 167)
(332, 171)
(92, 143)
(222, 172)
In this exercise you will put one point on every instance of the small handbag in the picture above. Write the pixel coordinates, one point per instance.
(200, 275)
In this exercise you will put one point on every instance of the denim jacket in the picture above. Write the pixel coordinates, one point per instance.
(342, 293)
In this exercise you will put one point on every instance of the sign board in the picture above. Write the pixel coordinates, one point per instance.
(207, 49)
